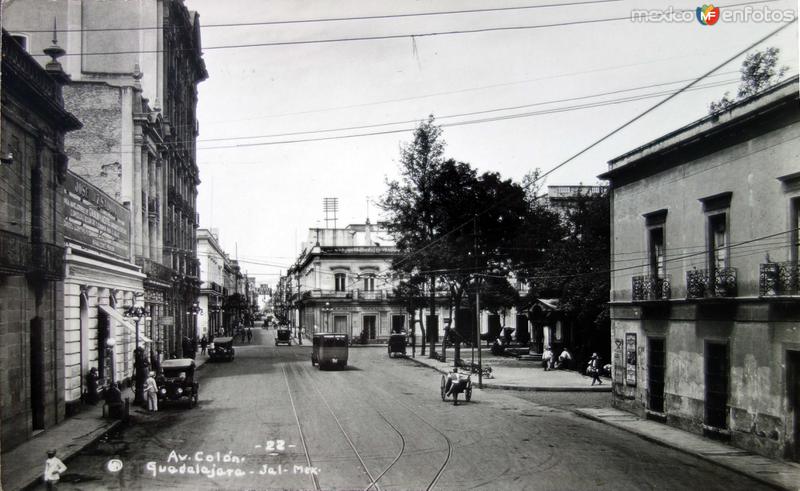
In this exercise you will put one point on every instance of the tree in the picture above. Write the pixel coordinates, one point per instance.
(408, 205)
(411, 294)
(759, 71)
(576, 270)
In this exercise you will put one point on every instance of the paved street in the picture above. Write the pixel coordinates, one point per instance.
(291, 426)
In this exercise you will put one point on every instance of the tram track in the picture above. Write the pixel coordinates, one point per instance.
(374, 480)
(314, 479)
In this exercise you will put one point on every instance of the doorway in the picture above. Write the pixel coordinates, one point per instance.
(37, 372)
(656, 367)
(793, 402)
(370, 324)
(716, 378)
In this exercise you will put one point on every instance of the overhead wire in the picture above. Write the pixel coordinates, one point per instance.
(615, 130)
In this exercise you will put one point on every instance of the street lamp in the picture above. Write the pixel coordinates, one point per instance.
(327, 309)
(137, 313)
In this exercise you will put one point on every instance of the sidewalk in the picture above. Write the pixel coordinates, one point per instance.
(781, 475)
(512, 374)
(23, 466)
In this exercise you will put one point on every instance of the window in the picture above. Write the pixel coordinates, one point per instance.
(718, 241)
(656, 252)
(340, 279)
(21, 39)
(369, 283)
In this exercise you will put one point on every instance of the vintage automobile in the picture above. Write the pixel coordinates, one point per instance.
(461, 382)
(329, 350)
(221, 349)
(397, 344)
(283, 336)
(176, 382)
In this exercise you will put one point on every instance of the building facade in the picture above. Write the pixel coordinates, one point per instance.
(343, 283)
(34, 167)
(101, 282)
(705, 324)
(212, 271)
(139, 103)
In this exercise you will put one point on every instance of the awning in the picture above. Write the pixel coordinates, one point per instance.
(121, 319)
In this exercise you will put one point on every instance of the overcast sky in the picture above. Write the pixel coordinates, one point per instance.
(264, 198)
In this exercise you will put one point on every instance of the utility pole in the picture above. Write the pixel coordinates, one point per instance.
(477, 340)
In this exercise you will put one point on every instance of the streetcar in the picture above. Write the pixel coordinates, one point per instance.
(329, 350)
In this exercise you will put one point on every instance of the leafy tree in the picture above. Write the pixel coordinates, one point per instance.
(759, 71)
(409, 208)
(576, 270)
(411, 293)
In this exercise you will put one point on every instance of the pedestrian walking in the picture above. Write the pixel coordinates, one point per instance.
(53, 468)
(249, 335)
(91, 386)
(547, 359)
(151, 388)
(203, 344)
(594, 369)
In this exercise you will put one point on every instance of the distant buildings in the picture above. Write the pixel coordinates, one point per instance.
(33, 174)
(705, 296)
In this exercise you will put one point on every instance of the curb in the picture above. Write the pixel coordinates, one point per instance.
(699, 455)
(68, 455)
(524, 388)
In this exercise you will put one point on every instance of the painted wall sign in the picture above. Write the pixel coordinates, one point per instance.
(630, 358)
(94, 219)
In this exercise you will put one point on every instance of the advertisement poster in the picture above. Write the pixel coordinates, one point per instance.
(630, 359)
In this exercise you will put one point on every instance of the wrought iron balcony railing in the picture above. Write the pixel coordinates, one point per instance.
(779, 279)
(705, 283)
(651, 288)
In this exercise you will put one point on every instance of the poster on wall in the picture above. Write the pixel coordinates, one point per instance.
(630, 358)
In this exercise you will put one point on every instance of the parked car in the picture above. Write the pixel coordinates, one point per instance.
(329, 350)
(176, 382)
(221, 349)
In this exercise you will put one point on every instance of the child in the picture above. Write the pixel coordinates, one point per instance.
(53, 467)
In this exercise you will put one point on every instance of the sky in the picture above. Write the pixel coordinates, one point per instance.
(266, 164)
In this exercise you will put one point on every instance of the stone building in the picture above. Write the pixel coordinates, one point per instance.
(33, 169)
(343, 283)
(101, 283)
(138, 100)
(705, 325)
(212, 270)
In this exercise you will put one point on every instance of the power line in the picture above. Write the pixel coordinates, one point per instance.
(336, 19)
(390, 36)
(473, 113)
(458, 123)
(616, 130)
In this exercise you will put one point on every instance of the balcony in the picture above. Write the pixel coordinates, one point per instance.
(326, 294)
(779, 279)
(650, 288)
(704, 283)
(154, 270)
(370, 295)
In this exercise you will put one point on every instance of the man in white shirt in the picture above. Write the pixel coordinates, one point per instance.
(53, 467)
(564, 359)
(151, 389)
(547, 359)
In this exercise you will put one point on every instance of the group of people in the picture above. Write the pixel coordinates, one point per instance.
(594, 368)
(550, 362)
